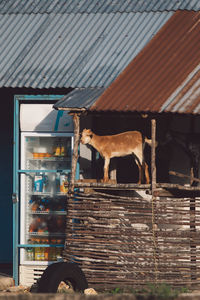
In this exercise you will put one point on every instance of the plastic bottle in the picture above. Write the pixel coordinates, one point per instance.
(53, 256)
(37, 251)
(66, 184)
(63, 181)
(30, 253)
(62, 151)
(38, 182)
(52, 253)
(45, 183)
(46, 251)
(57, 150)
(42, 253)
(57, 182)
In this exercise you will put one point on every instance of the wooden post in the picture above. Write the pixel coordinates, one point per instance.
(76, 119)
(153, 188)
(153, 155)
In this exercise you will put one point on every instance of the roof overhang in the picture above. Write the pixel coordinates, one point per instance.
(79, 100)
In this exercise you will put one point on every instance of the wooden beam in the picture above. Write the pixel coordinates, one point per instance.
(184, 176)
(153, 154)
(153, 189)
(76, 120)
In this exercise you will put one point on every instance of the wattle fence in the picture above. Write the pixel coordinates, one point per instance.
(127, 238)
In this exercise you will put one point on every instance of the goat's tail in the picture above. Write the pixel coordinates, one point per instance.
(149, 141)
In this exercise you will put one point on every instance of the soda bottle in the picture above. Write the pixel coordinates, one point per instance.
(57, 150)
(42, 250)
(38, 182)
(37, 251)
(32, 241)
(52, 253)
(46, 251)
(63, 183)
(53, 250)
(62, 151)
(42, 256)
(45, 183)
(57, 182)
(30, 252)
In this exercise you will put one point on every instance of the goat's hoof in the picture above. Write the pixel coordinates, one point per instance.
(105, 180)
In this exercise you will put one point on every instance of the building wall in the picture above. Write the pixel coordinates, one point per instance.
(6, 142)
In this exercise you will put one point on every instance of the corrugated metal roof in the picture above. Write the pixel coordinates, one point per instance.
(165, 74)
(72, 50)
(94, 6)
(79, 99)
(186, 98)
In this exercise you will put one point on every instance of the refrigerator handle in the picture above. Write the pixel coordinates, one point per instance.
(15, 198)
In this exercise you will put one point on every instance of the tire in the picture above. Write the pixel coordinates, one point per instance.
(57, 272)
(43, 280)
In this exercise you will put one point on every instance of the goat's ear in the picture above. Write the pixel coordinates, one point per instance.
(90, 133)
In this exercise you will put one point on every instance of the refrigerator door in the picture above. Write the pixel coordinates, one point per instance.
(45, 171)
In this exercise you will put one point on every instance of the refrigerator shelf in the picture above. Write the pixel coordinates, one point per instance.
(46, 234)
(51, 159)
(51, 194)
(48, 213)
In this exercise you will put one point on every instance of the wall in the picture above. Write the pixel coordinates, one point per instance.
(6, 137)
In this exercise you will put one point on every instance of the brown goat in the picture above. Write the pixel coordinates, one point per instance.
(118, 145)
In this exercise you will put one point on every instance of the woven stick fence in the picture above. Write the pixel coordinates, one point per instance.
(112, 237)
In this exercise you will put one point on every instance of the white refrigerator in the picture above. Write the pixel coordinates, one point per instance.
(45, 163)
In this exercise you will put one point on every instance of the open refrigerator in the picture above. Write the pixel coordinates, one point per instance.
(44, 171)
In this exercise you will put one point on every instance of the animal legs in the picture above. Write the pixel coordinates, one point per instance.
(146, 171)
(138, 154)
(140, 170)
(106, 168)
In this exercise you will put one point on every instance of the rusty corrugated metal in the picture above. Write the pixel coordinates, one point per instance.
(164, 76)
(187, 97)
